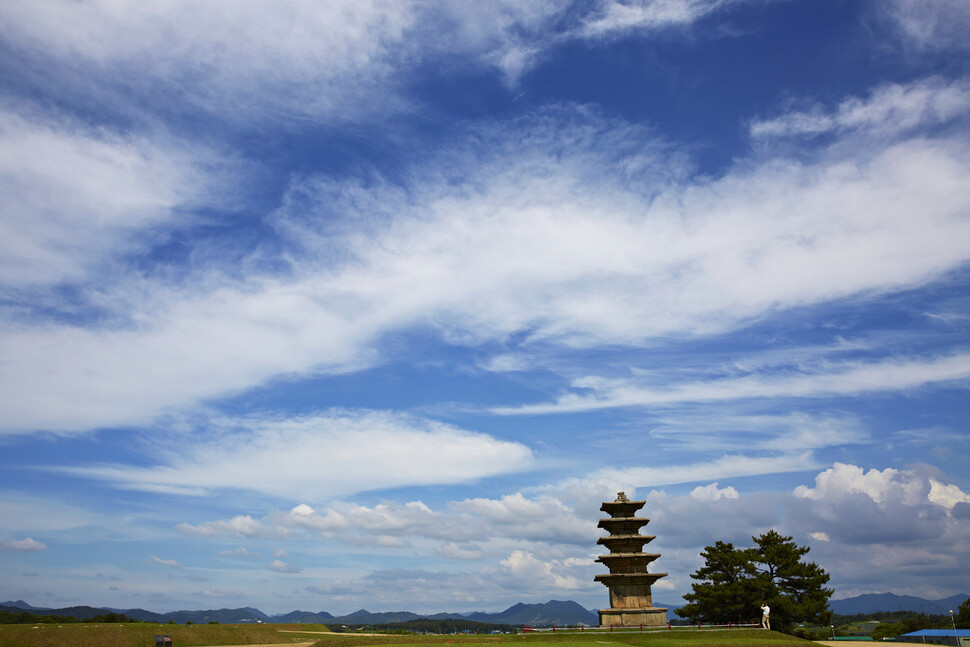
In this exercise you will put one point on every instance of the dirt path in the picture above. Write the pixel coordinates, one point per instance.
(309, 644)
(854, 643)
(326, 633)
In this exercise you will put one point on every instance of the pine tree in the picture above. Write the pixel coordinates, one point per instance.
(724, 591)
(734, 582)
(794, 589)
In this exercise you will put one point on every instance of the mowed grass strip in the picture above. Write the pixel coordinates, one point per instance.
(140, 635)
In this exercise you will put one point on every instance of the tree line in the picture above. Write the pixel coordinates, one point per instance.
(428, 625)
(26, 617)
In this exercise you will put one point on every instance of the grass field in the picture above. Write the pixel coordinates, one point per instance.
(140, 635)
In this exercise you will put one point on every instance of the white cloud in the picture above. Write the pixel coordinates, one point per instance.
(522, 566)
(507, 363)
(171, 563)
(242, 59)
(591, 221)
(239, 552)
(849, 379)
(847, 530)
(541, 519)
(712, 492)
(614, 17)
(452, 550)
(881, 486)
(946, 495)
(856, 520)
(243, 525)
(323, 456)
(280, 566)
(27, 544)
(469, 529)
(889, 109)
(25, 513)
(75, 195)
(728, 466)
(336, 60)
(937, 25)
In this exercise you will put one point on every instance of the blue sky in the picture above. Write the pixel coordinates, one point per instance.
(329, 305)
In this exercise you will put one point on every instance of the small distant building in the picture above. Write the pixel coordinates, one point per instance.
(957, 638)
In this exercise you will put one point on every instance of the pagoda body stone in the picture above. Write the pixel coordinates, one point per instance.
(631, 603)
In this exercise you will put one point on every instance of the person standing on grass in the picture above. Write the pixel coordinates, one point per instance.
(765, 622)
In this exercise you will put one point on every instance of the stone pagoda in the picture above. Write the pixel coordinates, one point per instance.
(629, 582)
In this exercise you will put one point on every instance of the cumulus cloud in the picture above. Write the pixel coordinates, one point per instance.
(712, 492)
(521, 566)
(27, 544)
(467, 529)
(843, 480)
(850, 517)
(946, 495)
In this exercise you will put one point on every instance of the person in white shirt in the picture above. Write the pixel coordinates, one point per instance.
(765, 623)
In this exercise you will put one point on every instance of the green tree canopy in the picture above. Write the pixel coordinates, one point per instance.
(734, 582)
(723, 591)
(963, 615)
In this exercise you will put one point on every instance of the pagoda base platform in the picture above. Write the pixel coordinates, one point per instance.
(645, 616)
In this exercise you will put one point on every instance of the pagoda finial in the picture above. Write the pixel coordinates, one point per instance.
(621, 497)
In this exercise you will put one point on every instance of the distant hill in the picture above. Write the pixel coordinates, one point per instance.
(669, 606)
(553, 612)
(874, 602)
(228, 616)
(20, 604)
(303, 617)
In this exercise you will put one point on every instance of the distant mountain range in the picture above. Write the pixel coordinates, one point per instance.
(874, 602)
(553, 612)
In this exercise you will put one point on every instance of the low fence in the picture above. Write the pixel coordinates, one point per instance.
(668, 627)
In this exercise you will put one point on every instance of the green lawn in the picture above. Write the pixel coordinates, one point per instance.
(140, 635)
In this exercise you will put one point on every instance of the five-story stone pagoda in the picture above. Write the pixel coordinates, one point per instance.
(629, 582)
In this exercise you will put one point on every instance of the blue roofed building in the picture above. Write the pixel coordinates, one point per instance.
(957, 637)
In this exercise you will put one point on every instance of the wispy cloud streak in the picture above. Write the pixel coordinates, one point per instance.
(853, 379)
